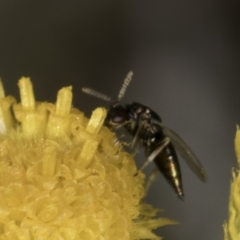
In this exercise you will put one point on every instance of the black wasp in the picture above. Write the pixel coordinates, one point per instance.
(159, 141)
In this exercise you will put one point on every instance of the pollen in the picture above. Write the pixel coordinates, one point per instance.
(66, 177)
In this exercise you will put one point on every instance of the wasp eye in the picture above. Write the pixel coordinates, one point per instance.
(117, 115)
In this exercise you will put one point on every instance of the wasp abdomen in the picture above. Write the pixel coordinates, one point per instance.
(167, 163)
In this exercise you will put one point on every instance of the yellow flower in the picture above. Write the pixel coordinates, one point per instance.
(65, 177)
(232, 227)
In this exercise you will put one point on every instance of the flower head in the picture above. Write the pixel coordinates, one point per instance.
(63, 176)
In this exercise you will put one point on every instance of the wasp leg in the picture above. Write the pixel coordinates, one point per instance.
(136, 139)
(151, 179)
(120, 125)
(118, 144)
(117, 141)
(152, 156)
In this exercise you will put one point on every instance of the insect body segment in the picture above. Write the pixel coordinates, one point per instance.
(159, 141)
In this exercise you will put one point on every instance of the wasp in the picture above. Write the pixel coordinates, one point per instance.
(159, 141)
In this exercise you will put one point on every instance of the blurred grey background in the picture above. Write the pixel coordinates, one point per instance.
(185, 56)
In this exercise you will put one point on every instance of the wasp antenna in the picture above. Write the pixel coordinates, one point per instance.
(97, 94)
(126, 82)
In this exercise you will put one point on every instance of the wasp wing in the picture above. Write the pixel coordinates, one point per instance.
(186, 153)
